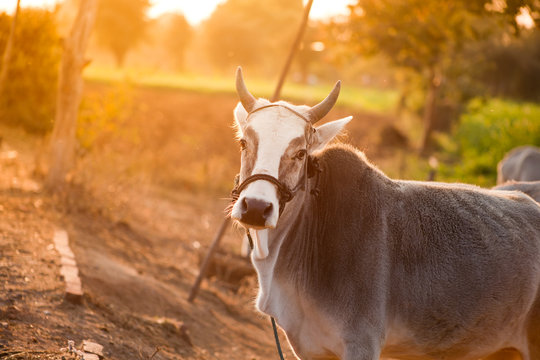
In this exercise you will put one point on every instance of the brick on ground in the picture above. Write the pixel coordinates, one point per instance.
(92, 347)
(69, 269)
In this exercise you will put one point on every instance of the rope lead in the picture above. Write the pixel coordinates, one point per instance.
(278, 345)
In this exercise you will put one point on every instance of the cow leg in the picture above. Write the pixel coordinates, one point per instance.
(533, 332)
(359, 353)
(505, 354)
(368, 349)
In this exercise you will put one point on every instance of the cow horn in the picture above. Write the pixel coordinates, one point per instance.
(321, 109)
(247, 100)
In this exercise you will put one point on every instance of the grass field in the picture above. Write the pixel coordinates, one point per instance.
(367, 99)
(185, 140)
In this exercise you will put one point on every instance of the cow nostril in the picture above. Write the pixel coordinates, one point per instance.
(268, 211)
(243, 205)
(255, 211)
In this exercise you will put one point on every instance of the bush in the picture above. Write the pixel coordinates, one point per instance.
(485, 133)
(103, 119)
(30, 92)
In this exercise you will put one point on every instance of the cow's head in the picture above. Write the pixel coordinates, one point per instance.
(275, 140)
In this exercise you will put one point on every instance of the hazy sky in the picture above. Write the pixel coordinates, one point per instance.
(197, 10)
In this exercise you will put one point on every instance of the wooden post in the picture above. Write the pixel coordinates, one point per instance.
(275, 97)
(204, 266)
(6, 59)
(70, 86)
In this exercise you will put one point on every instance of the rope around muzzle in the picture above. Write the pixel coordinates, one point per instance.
(285, 194)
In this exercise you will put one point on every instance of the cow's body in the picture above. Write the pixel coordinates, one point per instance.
(520, 164)
(370, 266)
(531, 188)
(402, 269)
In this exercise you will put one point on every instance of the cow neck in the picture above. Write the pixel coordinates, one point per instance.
(287, 221)
(293, 217)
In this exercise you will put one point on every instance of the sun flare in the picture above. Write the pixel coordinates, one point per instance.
(194, 11)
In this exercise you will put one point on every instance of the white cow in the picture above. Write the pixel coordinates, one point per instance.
(355, 265)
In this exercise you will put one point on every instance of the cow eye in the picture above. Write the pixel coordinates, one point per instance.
(243, 144)
(300, 154)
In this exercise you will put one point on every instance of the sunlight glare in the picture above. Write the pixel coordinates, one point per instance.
(197, 11)
(9, 6)
(524, 18)
(194, 11)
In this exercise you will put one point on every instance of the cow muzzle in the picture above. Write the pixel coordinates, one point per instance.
(255, 212)
(258, 202)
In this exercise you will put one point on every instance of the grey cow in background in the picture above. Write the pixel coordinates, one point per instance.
(531, 188)
(520, 164)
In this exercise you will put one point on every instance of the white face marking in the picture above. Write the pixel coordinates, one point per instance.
(275, 128)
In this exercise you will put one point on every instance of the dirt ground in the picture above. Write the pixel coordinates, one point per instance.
(138, 253)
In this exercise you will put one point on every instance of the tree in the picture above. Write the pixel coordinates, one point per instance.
(70, 85)
(177, 37)
(32, 70)
(421, 36)
(120, 25)
(6, 58)
(256, 34)
(514, 70)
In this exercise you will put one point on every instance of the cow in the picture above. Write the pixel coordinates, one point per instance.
(519, 164)
(355, 265)
(531, 188)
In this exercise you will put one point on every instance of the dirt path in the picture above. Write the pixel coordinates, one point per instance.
(135, 276)
(138, 248)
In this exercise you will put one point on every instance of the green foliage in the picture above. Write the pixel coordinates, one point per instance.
(426, 39)
(485, 133)
(30, 93)
(120, 25)
(255, 34)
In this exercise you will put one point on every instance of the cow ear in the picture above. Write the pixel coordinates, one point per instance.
(240, 117)
(325, 133)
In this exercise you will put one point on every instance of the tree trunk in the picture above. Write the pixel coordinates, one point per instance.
(6, 59)
(70, 85)
(120, 58)
(429, 110)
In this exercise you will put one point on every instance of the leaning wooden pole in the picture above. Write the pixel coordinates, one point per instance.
(195, 289)
(6, 58)
(224, 225)
(69, 94)
(292, 52)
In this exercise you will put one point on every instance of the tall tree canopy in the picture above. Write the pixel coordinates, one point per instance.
(426, 37)
(252, 33)
(120, 25)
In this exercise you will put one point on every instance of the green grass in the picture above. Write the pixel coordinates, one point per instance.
(368, 99)
(484, 134)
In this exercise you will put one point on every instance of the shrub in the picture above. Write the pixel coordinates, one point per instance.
(30, 92)
(486, 132)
